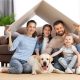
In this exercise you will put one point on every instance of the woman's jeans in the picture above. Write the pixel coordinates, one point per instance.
(19, 66)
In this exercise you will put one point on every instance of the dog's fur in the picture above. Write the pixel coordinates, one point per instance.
(42, 64)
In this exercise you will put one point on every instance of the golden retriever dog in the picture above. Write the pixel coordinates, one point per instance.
(42, 64)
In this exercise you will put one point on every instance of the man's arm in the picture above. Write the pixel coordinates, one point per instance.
(52, 45)
(77, 27)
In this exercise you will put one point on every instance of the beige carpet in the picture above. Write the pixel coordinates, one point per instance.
(52, 76)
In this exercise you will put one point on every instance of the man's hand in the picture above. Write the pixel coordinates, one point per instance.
(77, 27)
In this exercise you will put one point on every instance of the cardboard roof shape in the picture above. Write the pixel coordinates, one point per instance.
(47, 13)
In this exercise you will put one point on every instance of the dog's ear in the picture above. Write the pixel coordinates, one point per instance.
(51, 58)
(38, 58)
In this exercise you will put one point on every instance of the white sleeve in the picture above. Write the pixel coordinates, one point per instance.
(75, 50)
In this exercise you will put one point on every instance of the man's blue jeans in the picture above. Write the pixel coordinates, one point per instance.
(78, 47)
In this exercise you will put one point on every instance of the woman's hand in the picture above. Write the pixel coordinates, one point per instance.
(9, 31)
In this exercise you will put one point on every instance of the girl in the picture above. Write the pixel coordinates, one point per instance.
(24, 46)
(44, 39)
(70, 54)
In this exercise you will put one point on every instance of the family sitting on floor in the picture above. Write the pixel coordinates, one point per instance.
(64, 47)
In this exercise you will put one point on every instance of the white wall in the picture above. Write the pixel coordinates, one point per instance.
(68, 7)
(26, 6)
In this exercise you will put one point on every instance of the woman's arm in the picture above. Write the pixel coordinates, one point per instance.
(14, 45)
(37, 48)
(10, 39)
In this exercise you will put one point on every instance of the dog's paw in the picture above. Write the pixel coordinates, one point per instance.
(59, 71)
(34, 73)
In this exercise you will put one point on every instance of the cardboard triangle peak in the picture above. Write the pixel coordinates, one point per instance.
(47, 13)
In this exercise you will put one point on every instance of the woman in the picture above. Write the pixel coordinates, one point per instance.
(44, 39)
(24, 46)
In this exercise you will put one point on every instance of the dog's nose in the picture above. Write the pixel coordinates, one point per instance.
(44, 63)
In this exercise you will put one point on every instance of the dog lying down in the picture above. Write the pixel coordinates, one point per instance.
(42, 64)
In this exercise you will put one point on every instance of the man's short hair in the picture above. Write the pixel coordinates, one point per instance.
(58, 22)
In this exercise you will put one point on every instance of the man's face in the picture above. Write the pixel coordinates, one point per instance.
(59, 29)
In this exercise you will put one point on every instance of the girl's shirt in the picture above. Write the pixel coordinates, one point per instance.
(24, 46)
(44, 45)
(41, 45)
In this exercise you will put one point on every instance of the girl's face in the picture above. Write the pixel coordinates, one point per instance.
(46, 31)
(68, 40)
(31, 28)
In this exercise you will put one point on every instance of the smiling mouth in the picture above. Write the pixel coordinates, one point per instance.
(44, 67)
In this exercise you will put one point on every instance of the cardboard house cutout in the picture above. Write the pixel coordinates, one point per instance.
(47, 13)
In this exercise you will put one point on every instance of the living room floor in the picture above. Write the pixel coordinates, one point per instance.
(52, 76)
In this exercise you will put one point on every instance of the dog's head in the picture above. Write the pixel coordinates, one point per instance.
(45, 59)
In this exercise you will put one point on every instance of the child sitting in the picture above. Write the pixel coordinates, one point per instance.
(70, 54)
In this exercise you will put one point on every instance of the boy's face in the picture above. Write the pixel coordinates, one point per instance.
(68, 40)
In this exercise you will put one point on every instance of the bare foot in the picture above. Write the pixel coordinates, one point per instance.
(4, 70)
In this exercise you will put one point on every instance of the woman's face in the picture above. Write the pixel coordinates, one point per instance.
(68, 40)
(31, 28)
(46, 31)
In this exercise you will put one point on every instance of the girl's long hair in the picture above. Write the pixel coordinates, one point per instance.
(42, 36)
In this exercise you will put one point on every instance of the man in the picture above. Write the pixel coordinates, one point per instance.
(57, 42)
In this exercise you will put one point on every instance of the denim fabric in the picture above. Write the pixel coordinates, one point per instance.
(55, 62)
(78, 47)
(68, 63)
(19, 66)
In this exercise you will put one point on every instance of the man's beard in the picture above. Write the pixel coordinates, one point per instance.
(60, 34)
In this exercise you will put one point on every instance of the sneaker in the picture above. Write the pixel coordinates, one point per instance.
(78, 70)
(68, 70)
(73, 70)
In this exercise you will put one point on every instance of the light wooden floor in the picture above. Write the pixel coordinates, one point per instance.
(52, 76)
